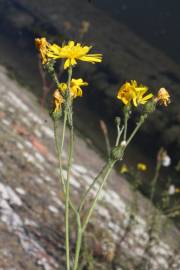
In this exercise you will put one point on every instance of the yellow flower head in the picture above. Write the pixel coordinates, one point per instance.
(75, 87)
(131, 92)
(58, 100)
(163, 97)
(43, 47)
(124, 169)
(140, 92)
(126, 93)
(141, 167)
(73, 52)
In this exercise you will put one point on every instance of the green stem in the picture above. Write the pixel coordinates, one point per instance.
(67, 195)
(120, 131)
(103, 174)
(98, 177)
(63, 131)
(106, 171)
(67, 200)
(78, 243)
(55, 78)
(139, 124)
(126, 117)
(58, 151)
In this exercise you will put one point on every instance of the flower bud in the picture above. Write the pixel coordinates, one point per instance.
(166, 161)
(55, 115)
(123, 144)
(150, 107)
(117, 153)
(163, 158)
(117, 120)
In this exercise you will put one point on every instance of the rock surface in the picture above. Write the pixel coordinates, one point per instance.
(31, 206)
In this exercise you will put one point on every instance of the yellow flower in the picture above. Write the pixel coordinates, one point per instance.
(140, 91)
(141, 167)
(58, 100)
(126, 93)
(75, 87)
(131, 92)
(163, 97)
(124, 169)
(73, 52)
(62, 87)
(43, 47)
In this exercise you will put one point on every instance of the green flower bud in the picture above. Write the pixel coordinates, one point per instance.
(117, 153)
(56, 115)
(150, 107)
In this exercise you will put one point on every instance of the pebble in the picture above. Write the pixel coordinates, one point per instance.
(53, 209)
(20, 191)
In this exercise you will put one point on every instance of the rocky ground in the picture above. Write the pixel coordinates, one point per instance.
(31, 204)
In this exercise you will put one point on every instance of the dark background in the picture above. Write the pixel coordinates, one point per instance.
(157, 21)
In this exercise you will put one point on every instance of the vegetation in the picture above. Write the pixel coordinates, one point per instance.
(134, 100)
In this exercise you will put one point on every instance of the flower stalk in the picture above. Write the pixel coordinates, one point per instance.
(68, 114)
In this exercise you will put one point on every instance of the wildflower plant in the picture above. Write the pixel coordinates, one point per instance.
(131, 95)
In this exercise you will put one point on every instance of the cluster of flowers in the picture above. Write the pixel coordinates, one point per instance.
(140, 167)
(71, 53)
(129, 93)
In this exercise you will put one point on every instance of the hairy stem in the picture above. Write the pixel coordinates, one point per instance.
(104, 173)
(139, 124)
(126, 117)
(67, 195)
(84, 197)
(78, 243)
(58, 151)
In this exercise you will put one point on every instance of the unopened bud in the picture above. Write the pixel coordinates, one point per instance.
(117, 120)
(123, 143)
(166, 161)
(117, 153)
(56, 115)
(164, 158)
(150, 106)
